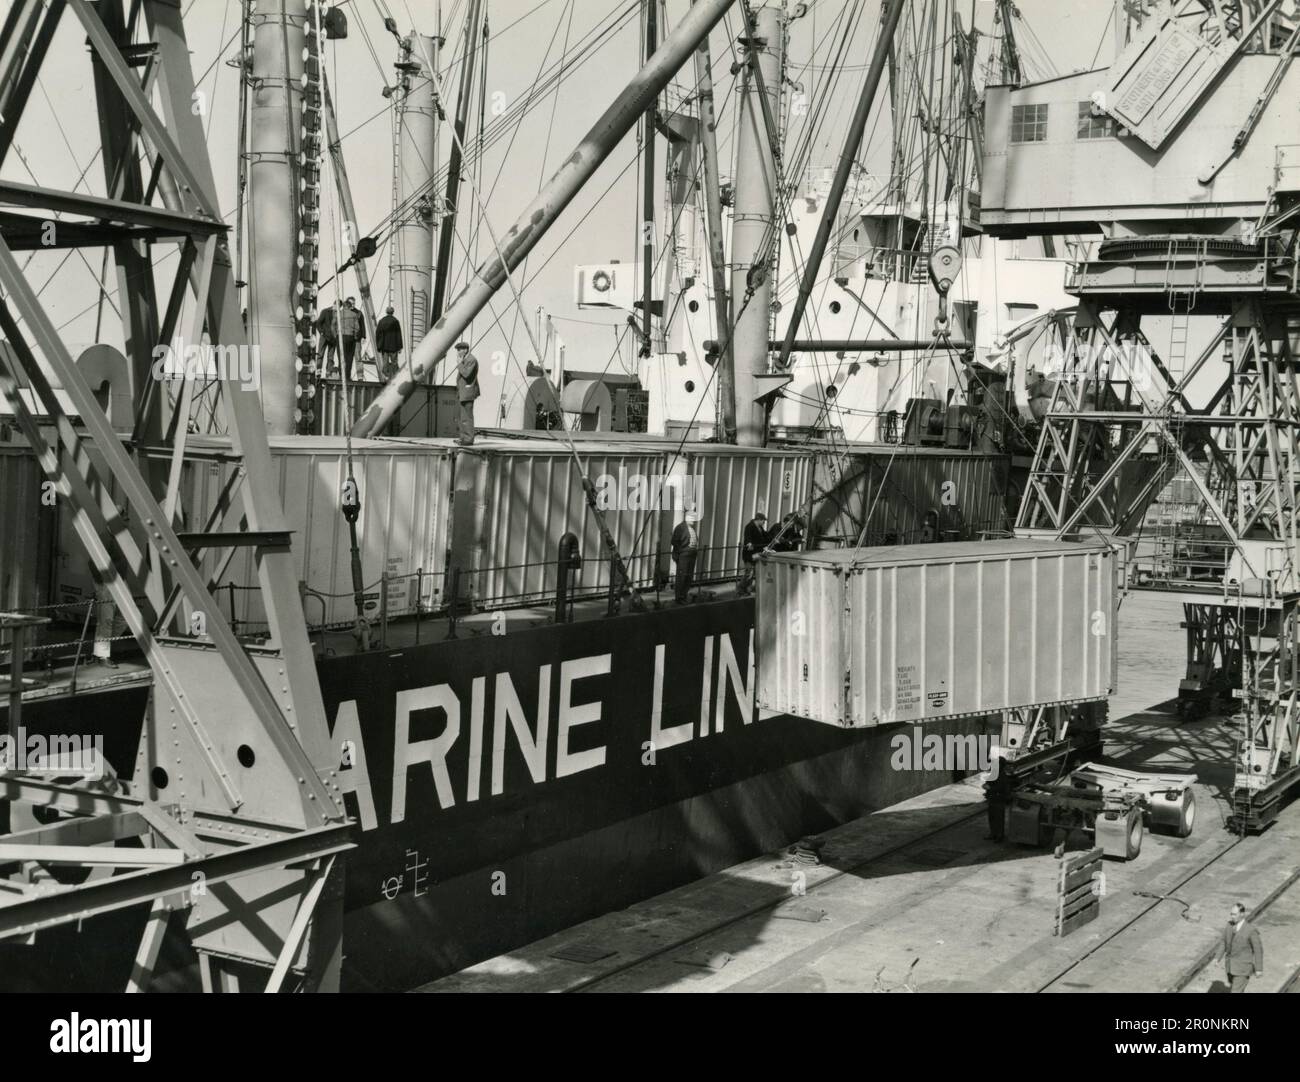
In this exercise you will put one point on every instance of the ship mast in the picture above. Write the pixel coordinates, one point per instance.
(416, 165)
(752, 224)
(648, 193)
(1010, 52)
(843, 169)
(279, 42)
(463, 96)
(717, 252)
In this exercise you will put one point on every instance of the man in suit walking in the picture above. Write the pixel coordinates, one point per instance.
(466, 391)
(1243, 952)
(685, 548)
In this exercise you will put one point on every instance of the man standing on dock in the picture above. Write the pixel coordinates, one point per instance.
(466, 391)
(686, 548)
(388, 343)
(1243, 951)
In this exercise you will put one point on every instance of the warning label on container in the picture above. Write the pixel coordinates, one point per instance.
(907, 687)
(399, 587)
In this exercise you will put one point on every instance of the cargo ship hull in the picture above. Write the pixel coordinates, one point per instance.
(515, 785)
(508, 786)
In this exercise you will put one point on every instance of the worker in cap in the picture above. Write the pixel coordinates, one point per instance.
(466, 391)
(788, 537)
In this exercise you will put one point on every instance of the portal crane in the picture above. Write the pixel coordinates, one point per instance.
(1192, 129)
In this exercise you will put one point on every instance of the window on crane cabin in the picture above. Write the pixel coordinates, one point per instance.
(1093, 127)
(1029, 123)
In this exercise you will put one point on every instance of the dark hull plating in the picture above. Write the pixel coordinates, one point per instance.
(508, 786)
(648, 772)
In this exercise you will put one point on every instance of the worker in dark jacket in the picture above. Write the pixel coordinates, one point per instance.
(1243, 951)
(466, 391)
(788, 537)
(388, 343)
(328, 341)
(686, 549)
(753, 540)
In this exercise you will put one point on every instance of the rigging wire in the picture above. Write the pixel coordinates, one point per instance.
(560, 71)
(663, 250)
(370, 48)
(98, 279)
(546, 150)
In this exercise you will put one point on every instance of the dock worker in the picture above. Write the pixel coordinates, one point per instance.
(753, 540)
(685, 549)
(388, 342)
(788, 537)
(466, 391)
(351, 328)
(997, 791)
(327, 341)
(1243, 950)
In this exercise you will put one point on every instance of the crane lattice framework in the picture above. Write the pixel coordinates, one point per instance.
(1190, 130)
(232, 815)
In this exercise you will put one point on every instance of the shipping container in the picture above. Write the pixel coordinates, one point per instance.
(515, 499)
(730, 485)
(403, 530)
(876, 636)
(431, 410)
(887, 494)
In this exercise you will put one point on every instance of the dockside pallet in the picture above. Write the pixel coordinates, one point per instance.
(1078, 891)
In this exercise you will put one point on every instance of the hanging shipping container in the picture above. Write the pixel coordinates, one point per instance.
(875, 636)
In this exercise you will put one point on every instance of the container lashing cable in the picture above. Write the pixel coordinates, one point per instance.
(942, 336)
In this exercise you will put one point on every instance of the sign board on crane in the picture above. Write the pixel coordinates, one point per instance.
(1159, 78)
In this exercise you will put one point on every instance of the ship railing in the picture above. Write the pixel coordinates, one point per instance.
(895, 264)
(438, 596)
(49, 647)
(1182, 554)
(878, 536)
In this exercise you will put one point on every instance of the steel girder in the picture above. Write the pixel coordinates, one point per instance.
(1121, 423)
(212, 697)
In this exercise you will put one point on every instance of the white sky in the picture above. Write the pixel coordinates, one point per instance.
(58, 135)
